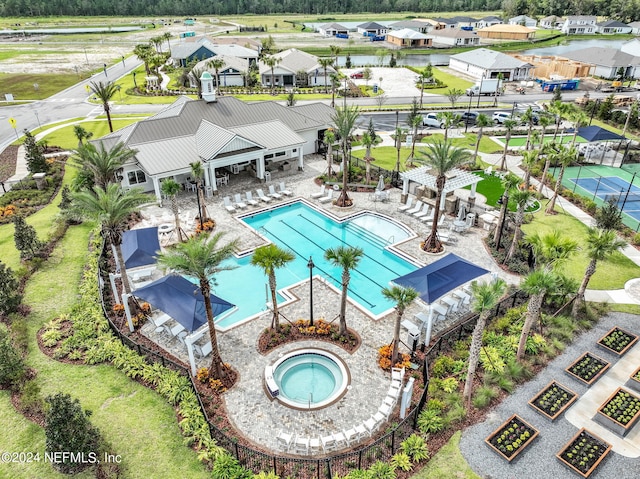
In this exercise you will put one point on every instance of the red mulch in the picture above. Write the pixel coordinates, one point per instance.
(270, 340)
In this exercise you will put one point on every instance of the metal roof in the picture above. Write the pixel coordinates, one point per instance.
(456, 178)
(166, 156)
(210, 139)
(453, 33)
(295, 60)
(368, 25)
(407, 33)
(489, 59)
(272, 134)
(609, 57)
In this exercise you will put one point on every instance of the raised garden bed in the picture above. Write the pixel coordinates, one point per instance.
(588, 368)
(553, 400)
(619, 412)
(634, 381)
(618, 341)
(584, 453)
(511, 438)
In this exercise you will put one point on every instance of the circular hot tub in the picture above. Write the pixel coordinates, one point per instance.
(307, 379)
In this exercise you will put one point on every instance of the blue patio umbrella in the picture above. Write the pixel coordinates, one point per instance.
(438, 278)
(596, 133)
(182, 300)
(140, 247)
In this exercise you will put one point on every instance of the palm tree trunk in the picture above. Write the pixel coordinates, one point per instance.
(123, 269)
(329, 160)
(432, 243)
(533, 312)
(579, 299)
(343, 199)
(544, 173)
(552, 203)
(176, 216)
(107, 110)
(474, 356)
(503, 213)
(517, 235)
(475, 153)
(343, 303)
(326, 87)
(503, 162)
(216, 371)
(396, 338)
(275, 321)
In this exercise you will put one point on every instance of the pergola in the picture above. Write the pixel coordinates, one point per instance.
(456, 178)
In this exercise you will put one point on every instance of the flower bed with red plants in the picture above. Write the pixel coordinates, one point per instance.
(553, 400)
(512, 437)
(618, 341)
(588, 368)
(583, 453)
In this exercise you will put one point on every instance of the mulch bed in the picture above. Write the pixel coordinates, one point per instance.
(8, 162)
(299, 331)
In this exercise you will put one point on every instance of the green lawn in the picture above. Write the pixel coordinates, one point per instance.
(610, 274)
(522, 140)
(487, 145)
(448, 463)
(65, 138)
(21, 84)
(137, 422)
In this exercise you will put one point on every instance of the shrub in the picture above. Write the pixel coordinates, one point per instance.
(415, 447)
(484, 395)
(636, 239)
(443, 366)
(401, 461)
(12, 368)
(68, 429)
(430, 421)
(31, 401)
(10, 298)
(491, 359)
(381, 470)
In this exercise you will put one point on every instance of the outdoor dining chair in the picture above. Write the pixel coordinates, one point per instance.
(314, 445)
(350, 435)
(340, 439)
(285, 440)
(328, 443)
(301, 444)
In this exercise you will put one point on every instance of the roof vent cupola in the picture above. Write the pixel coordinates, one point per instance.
(206, 83)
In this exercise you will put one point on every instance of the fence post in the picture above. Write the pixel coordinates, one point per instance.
(274, 465)
(360, 459)
(235, 448)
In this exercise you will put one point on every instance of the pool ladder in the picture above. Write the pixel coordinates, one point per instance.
(310, 399)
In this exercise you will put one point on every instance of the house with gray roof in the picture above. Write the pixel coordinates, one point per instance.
(580, 25)
(607, 61)
(231, 74)
(454, 37)
(632, 47)
(371, 28)
(225, 134)
(415, 25)
(524, 20)
(552, 22)
(635, 28)
(295, 68)
(332, 29)
(186, 52)
(484, 63)
(611, 27)
(489, 21)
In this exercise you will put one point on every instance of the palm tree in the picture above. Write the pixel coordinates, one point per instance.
(509, 125)
(346, 257)
(403, 297)
(482, 121)
(425, 74)
(200, 257)
(102, 163)
(521, 198)
(415, 123)
(579, 119)
(442, 157)
(216, 64)
(167, 37)
(564, 156)
(601, 244)
(143, 52)
(537, 284)
(81, 134)
(170, 188)
(367, 142)
(104, 92)
(528, 118)
(552, 249)
(198, 173)
(335, 50)
(486, 296)
(344, 120)
(448, 120)
(271, 62)
(509, 182)
(335, 82)
(329, 139)
(544, 121)
(561, 111)
(529, 160)
(270, 257)
(157, 43)
(326, 63)
(111, 207)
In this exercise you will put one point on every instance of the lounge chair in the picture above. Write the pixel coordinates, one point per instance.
(429, 217)
(227, 204)
(273, 194)
(385, 410)
(328, 443)
(328, 198)
(262, 196)
(250, 199)
(340, 438)
(415, 209)
(407, 205)
(314, 445)
(350, 435)
(283, 190)
(319, 194)
(204, 350)
(238, 201)
(301, 445)
(285, 440)
(423, 212)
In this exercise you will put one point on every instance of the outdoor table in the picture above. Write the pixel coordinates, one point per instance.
(459, 225)
(165, 229)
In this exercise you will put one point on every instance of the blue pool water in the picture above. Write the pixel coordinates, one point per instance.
(307, 232)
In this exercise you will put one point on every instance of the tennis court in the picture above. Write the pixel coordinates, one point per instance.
(522, 140)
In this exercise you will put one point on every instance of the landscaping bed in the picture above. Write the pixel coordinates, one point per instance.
(619, 412)
(634, 381)
(301, 331)
(553, 400)
(511, 438)
(584, 453)
(588, 368)
(618, 341)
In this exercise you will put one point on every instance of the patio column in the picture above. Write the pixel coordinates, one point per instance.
(127, 311)
(156, 189)
(192, 360)
(260, 167)
(212, 180)
(405, 190)
(472, 196)
(300, 158)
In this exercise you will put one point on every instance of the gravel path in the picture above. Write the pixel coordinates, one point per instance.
(538, 460)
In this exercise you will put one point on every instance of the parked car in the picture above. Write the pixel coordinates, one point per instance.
(499, 117)
(431, 119)
(359, 74)
(469, 117)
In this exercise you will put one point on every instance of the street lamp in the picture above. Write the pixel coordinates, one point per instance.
(593, 110)
(310, 265)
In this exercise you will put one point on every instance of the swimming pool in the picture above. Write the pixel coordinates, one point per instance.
(308, 232)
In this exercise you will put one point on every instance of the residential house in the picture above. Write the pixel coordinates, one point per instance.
(552, 22)
(225, 40)
(332, 29)
(419, 26)
(295, 68)
(632, 47)
(184, 53)
(465, 22)
(580, 25)
(372, 28)
(454, 37)
(524, 20)
(607, 62)
(225, 134)
(489, 21)
(231, 74)
(635, 28)
(611, 27)
(407, 38)
(484, 63)
(506, 32)
(447, 22)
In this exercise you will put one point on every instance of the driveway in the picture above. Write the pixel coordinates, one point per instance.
(396, 82)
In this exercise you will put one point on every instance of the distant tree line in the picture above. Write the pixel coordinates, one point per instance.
(625, 10)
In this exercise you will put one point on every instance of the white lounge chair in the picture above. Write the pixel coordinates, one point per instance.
(328, 198)
(273, 194)
(250, 199)
(415, 209)
(262, 196)
(328, 443)
(285, 440)
(314, 445)
(320, 193)
(340, 438)
(350, 435)
(204, 350)
(423, 212)
(385, 410)
(227, 204)
(283, 190)
(301, 445)
(238, 201)
(407, 205)
(429, 218)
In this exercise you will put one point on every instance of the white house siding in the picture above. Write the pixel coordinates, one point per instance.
(310, 138)
(473, 70)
